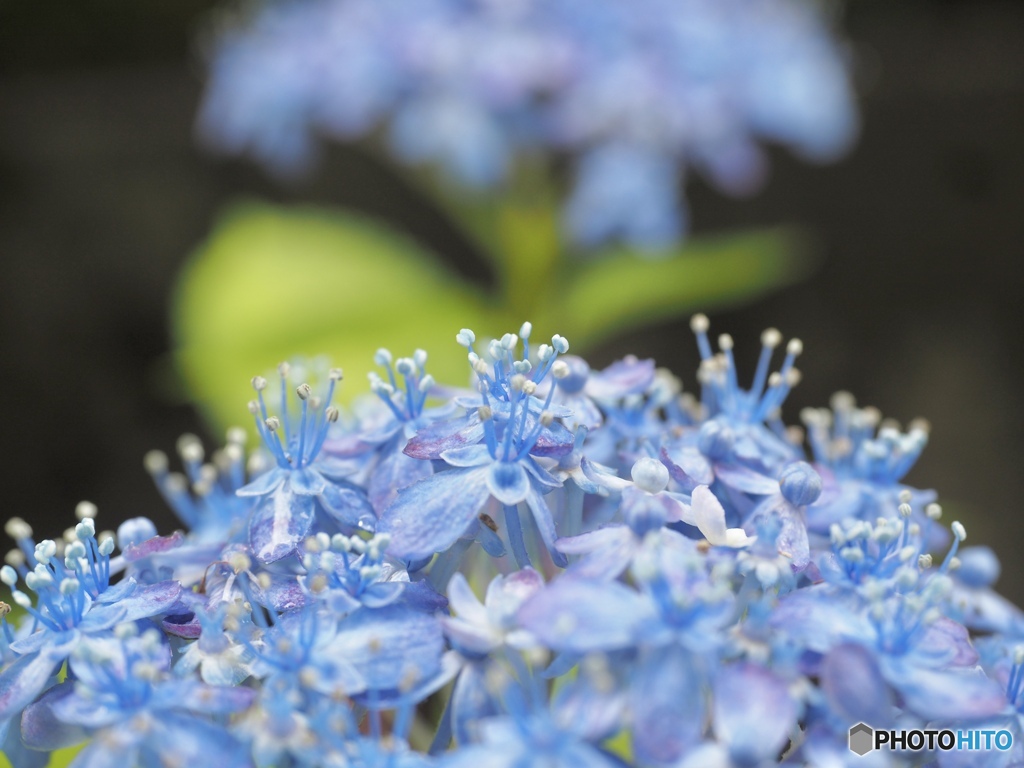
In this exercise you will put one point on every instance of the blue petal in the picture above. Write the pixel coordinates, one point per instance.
(468, 456)
(747, 480)
(193, 741)
(429, 516)
(667, 705)
(265, 483)
(606, 552)
(945, 643)
(25, 679)
(348, 506)
(101, 755)
(392, 646)
(546, 526)
(753, 712)
(687, 466)
(955, 694)
(278, 523)
(508, 482)
(583, 616)
(854, 687)
(394, 472)
(306, 481)
(472, 702)
(202, 698)
(382, 593)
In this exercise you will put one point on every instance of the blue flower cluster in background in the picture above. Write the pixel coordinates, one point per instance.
(553, 566)
(635, 93)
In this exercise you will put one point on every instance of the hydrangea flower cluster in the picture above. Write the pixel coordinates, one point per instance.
(554, 566)
(637, 92)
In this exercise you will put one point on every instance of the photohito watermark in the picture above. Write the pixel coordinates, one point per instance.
(864, 739)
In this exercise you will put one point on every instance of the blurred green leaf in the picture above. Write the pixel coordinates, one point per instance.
(272, 283)
(619, 290)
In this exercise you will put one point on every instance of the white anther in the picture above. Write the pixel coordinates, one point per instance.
(8, 576)
(405, 366)
(18, 529)
(70, 587)
(273, 423)
(771, 338)
(560, 369)
(529, 387)
(106, 546)
(419, 357)
(774, 379)
(259, 383)
(85, 529)
(264, 580)
(509, 341)
(958, 530)
(924, 561)
(382, 356)
(335, 374)
(21, 598)
(907, 553)
(14, 558)
(237, 436)
(793, 377)
(85, 509)
(522, 366)
(795, 347)
(332, 414)
(46, 549)
(303, 391)
(560, 343)
(485, 413)
(905, 496)
(340, 543)
(725, 342)
(914, 530)
(699, 323)
(383, 540)
(479, 366)
(253, 407)
(155, 462)
(239, 562)
(426, 384)
(517, 381)
(525, 330)
(904, 510)
(1018, 654)
(546, 417)
(465, 337)
(357, 545)
(934, 511)
(954, 563)
(852, 554)
(544, 353)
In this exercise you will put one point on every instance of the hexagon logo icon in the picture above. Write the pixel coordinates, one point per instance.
(862, 739)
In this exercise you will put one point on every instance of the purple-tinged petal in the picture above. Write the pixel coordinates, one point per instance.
(394, 472)
(265, 483)
(186, 626)
(854, 687)
(117, 592)
(336, 469)
(667, 705)
(747, 480)
(583, 616)
(278, 523)
(508, 482)
(430, 515)
(792, 541)
(945, 643)
(25, 679)
(156, 545)
(541, 475)
(306, 481)
(431, 442)
(623, 377)
(348, 506)
(150, 600)
(506, 594)
(468, 456)
(955, 694)
(687, 466)
(607, 552)
(546, 525)
(754, 712)
(555, 440)
(282, 594)
(382, 593)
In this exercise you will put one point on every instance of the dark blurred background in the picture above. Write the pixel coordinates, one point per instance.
(915, 307)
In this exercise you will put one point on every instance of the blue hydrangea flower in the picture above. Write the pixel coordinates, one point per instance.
(637, 94)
